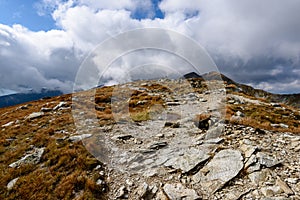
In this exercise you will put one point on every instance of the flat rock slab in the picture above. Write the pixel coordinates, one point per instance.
(178, 191)
(190, 158)
(31, 158)
(222, 168)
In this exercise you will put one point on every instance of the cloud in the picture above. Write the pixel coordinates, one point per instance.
(36, 59)
(253, 42)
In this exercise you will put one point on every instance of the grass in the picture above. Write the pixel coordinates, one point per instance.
(264, 115)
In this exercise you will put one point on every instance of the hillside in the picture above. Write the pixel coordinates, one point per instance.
(158, 139)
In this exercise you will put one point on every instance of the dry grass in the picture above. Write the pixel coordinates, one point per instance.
(263, 116)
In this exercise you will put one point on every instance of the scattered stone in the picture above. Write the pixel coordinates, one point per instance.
(267, 160)
(35, 115)
(178, 191)
(222, 168)
(122, 193)
(77, 138)
(292, 180)
(215, 132)
(271, 191)
(240, 114)
(276, 105)
(259, 177)
(60, 105)
(8, 124)
(214, 141)
(286, 189)
(172, 124)
(158, 145)
(11, 184)
(173, 103)
(248, 150)
(122, 137)
(145, 191)
(31, 158)
(283, 125)
(46, 109)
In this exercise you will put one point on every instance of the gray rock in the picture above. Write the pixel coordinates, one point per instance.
(158, 145)
(35, 115)
(215, 132)
(284, 186)
(213, 141)
(178, 191)
(11, 183)
(173, 103)
(122, 137)
(240, 114)
(77, 138)
(222, 168)
(248, 150)
(46, 109)
(267, 160)
(283, 125)
(8, 124)
(270, 191)
(190, 158)
(60, 105)
(31, 158)
(259, 176)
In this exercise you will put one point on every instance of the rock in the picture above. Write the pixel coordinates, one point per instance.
(215, 132)
(283, 125)
(240, 114)
(252, 160)
(77, 138)
(35, 115)
(190, 158)
(267, 160)
(292, 180)
(259, 176)
(270, 191)
(46, 109)
(276, 105)
(11, 184)
(286, 189)
(122, 137)
(214, 141)
(172, 124)
(8, 124)
(60, 105)
(253, 168)
(122, 193)
(146, 192)
(158, 145)
(248, 150)
(31, 158)
(173, 103)
(222, 168)
(178, 191)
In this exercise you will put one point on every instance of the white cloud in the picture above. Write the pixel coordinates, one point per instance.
(248, 39)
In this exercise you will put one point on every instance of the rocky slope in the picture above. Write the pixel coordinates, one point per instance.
(158, 139)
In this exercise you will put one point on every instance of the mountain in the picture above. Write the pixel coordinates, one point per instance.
(165, 139)
(289, 99)
(18, 98)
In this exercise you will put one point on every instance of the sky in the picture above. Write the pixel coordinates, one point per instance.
(44, 42)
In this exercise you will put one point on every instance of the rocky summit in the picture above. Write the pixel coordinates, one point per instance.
(154, 139)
